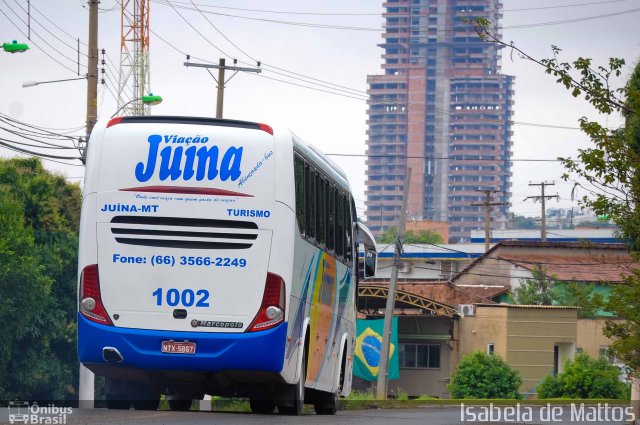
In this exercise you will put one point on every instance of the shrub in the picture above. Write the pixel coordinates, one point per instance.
(480, 375)
(584, 377)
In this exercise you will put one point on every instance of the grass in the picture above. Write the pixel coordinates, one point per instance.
(360, 403)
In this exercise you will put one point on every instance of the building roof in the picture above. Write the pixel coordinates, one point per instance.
(583, 261)
(607, 235)
(532, 306)
(611, 269)
(433, 251)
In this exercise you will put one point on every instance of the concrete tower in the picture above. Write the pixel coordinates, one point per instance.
(442, 108)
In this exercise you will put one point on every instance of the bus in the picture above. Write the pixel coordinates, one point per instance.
(217, 257)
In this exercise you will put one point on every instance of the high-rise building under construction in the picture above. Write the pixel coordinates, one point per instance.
(442, 108)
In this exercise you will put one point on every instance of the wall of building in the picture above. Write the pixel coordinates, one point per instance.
(488, 326)
(590, 337)
(523, 337)
(422, 381)
(532, 334)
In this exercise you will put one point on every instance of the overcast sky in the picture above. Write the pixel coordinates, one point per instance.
(343, 57)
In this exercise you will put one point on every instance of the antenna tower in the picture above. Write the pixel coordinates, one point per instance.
(133, 82)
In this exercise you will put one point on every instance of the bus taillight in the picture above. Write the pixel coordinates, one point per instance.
(273, 303)
(91, 305)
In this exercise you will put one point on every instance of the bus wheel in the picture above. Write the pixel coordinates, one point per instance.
(262, 406)
(116, 394)
(326, 404)
(294, 394)
(145, 397)
(180, 405)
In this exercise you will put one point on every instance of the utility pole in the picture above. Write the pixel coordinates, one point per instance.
(92, 70)
(383, 370)
(86, 393)
(487, 204)
(543, 198)
(222, 67)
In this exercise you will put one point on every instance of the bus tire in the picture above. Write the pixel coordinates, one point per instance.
(147, 403)
(262, 406)
(326, 404)
(180, 405)
(294, 402)
(116, 395)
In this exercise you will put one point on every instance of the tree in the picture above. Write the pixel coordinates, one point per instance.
(534, 291)
(521, 222)
(410, 236)
(542, 290)
(480, 375)
(585, 377)
(610, 168)
(39, 218)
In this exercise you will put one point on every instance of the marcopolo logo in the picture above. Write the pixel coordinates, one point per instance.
(180, 160)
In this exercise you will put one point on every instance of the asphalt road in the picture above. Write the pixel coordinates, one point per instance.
(422, 416)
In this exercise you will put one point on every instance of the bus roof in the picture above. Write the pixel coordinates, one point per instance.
(321, 160)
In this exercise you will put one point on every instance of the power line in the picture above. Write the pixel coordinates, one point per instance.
(74, 48)
(453, 158)
(198, 32)
(35, 44)
(10, 145)
(353, 28)
(74, 38)
(354, 96)
(6, 118)
(378, 14)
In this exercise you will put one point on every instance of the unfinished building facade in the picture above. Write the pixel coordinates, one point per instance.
(443, 109)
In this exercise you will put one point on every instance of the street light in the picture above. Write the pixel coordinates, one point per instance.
(37, 83)
(15, 47)
(149, 99)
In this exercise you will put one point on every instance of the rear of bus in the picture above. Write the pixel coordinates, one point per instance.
(175, 244)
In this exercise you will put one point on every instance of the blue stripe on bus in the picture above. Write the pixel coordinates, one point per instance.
(253, 351)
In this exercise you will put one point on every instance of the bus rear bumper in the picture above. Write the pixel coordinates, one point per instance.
(215, 352)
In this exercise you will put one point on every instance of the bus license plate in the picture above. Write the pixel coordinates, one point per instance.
(174, 347)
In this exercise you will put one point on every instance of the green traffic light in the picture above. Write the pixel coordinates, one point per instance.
(15, 47)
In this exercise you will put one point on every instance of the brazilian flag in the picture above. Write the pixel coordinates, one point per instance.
(368, 347)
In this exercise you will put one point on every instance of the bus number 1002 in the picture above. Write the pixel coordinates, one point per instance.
(186, 298)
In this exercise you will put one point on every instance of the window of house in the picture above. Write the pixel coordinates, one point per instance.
(419, 356)
(491, 348)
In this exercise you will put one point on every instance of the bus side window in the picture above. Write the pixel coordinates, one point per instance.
(309, 181)
(320, 210)
(331, 223)
(348, 228)
(300, 189)
(339, 225)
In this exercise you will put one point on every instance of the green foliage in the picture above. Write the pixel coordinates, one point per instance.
(361, 395)
(410, 236)
(534, 291)
(624, 302)
(521, 222)
(585, 378)
(39, 217)
(481, 376)
(610, 168)
(541, 290)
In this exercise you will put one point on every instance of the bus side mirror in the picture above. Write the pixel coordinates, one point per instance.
(370, 262)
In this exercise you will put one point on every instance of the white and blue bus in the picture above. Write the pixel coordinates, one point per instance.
(217, 257)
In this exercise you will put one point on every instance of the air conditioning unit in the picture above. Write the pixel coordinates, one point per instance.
(466, 309)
